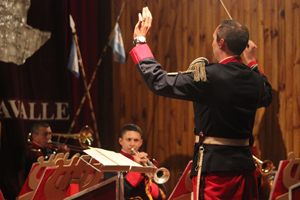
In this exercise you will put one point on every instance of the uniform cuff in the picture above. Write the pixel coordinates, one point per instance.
(140, 52)
(255, 63)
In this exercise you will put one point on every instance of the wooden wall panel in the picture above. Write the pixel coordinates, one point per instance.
(182, 31)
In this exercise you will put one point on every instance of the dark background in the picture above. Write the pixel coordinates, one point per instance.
(44, 77)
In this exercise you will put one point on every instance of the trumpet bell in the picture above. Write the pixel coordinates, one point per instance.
(267, 167)
(161, 175)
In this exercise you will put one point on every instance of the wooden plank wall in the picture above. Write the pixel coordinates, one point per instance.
(182, 31)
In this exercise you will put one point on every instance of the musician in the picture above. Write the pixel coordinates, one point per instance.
(136, 185)
(39, 146)
(225, 95)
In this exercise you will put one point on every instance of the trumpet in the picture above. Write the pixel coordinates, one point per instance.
(266, 167)
(161, 174)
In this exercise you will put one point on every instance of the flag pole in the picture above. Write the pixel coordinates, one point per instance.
(93, 76)
(72, 24)
(88, 94)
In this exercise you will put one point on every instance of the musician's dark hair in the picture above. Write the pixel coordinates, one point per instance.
(37, 125)
(131, 127)
(235, 35)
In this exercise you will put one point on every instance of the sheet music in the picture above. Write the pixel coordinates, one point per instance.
(107, 157)
(112, 161)
(100, 157)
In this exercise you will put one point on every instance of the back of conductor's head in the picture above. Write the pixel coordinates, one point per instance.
(235, 35)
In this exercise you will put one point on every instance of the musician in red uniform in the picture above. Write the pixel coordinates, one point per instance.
(225, 96)
(136, 185)
(39, 146)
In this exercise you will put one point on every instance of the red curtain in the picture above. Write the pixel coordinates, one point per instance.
(44, 89)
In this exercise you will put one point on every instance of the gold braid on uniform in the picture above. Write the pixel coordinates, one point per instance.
(163, 195)
(148, 183)
(197, 67)
(135, 198)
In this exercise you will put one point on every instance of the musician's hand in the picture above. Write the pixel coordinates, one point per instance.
(250, 52)
(63, 148)
(141, 158)
(142, 28)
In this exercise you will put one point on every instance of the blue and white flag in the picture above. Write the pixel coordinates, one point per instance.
(116, 42)
(73, 60)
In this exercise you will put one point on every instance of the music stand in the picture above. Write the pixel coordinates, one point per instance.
(108, 190)
(184, 187)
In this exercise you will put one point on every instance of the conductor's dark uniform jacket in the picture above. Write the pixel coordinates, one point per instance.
(224, 105)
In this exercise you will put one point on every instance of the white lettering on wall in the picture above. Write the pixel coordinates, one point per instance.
(62, 111)
(23, 114)
(31, 108)
(38, 110)
(15, 109)
(45, 112)
(3, 111)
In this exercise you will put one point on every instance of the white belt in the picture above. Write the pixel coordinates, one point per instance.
(216, 141)
(223, 141)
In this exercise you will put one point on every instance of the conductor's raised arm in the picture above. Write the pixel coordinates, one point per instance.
(142, 28)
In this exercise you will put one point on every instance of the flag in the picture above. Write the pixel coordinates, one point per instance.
(73, 60)
(116, 42)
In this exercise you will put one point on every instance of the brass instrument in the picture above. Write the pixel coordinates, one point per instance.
(160, 176)
(266, 167)
(85, 138)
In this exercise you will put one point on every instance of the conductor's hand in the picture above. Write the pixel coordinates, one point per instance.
(142, 28)
(250, 52)
(141, 158)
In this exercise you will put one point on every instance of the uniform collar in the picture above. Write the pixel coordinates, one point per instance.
(232, 59)
(126, 154)
(35, 144)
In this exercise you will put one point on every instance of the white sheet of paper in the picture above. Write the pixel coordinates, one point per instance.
(112, 158)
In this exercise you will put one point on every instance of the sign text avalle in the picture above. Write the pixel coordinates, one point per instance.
(33, 110)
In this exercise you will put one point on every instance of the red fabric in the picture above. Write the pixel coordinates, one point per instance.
(26, 188)
(232, 59)
(279, 188)
(127, 155)
(296, 193)
(254, 151)
(72, 189)
(85, 15)
(180, 188)
(134, 178)
(39, 191)
(140, 52)
(239, 59)
(1, 195)
(227, 185)
(154, 189)
(255, 63)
